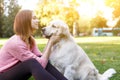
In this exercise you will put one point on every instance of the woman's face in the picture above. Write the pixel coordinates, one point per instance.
(34, 21)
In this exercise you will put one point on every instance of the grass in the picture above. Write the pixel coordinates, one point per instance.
(103, 51)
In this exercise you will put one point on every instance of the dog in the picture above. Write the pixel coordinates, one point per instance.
(69, 58)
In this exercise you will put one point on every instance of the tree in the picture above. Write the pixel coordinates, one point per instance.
(98, 22)
(114, 4)
(1, 16)
(12, 7)
(54, 9)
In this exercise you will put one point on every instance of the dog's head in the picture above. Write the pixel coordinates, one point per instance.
(56, 27)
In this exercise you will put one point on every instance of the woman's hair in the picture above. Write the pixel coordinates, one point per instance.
(22, 26)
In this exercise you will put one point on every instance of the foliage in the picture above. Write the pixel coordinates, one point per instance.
(116, 5)
(98, 22)
(54, 9)
(8, 10)
(1, 16)
(12, 7)
(49, 10)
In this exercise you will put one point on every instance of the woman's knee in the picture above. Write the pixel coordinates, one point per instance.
(31, 64)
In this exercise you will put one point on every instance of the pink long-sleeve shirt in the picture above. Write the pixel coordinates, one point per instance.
(15, 50)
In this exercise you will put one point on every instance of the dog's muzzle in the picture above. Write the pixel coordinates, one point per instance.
(45, 35)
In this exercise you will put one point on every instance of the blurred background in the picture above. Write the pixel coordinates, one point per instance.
(95, 20)
(84, 17)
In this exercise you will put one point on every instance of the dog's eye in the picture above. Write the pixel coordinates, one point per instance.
(53, 26)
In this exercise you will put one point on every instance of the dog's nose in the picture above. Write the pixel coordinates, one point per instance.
(43, 29)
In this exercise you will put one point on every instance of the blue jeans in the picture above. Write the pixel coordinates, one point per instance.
(24, 70)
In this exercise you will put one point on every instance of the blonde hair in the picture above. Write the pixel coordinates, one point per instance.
(22, 26)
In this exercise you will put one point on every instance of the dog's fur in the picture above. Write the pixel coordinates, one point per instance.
(69, 58)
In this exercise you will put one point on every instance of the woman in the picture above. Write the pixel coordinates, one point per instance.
(20, 57)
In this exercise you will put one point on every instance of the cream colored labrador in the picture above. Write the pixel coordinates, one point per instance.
(69, 58)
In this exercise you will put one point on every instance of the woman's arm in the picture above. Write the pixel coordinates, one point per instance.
(20, 51)
(49, 45)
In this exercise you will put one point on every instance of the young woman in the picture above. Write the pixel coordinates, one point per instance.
(20, 57)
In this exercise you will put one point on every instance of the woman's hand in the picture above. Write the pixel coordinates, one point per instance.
(54, 39)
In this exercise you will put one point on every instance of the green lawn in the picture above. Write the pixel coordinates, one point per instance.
(103, 51)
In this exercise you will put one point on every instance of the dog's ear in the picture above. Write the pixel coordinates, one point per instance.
(63, 36)
(64, 32)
